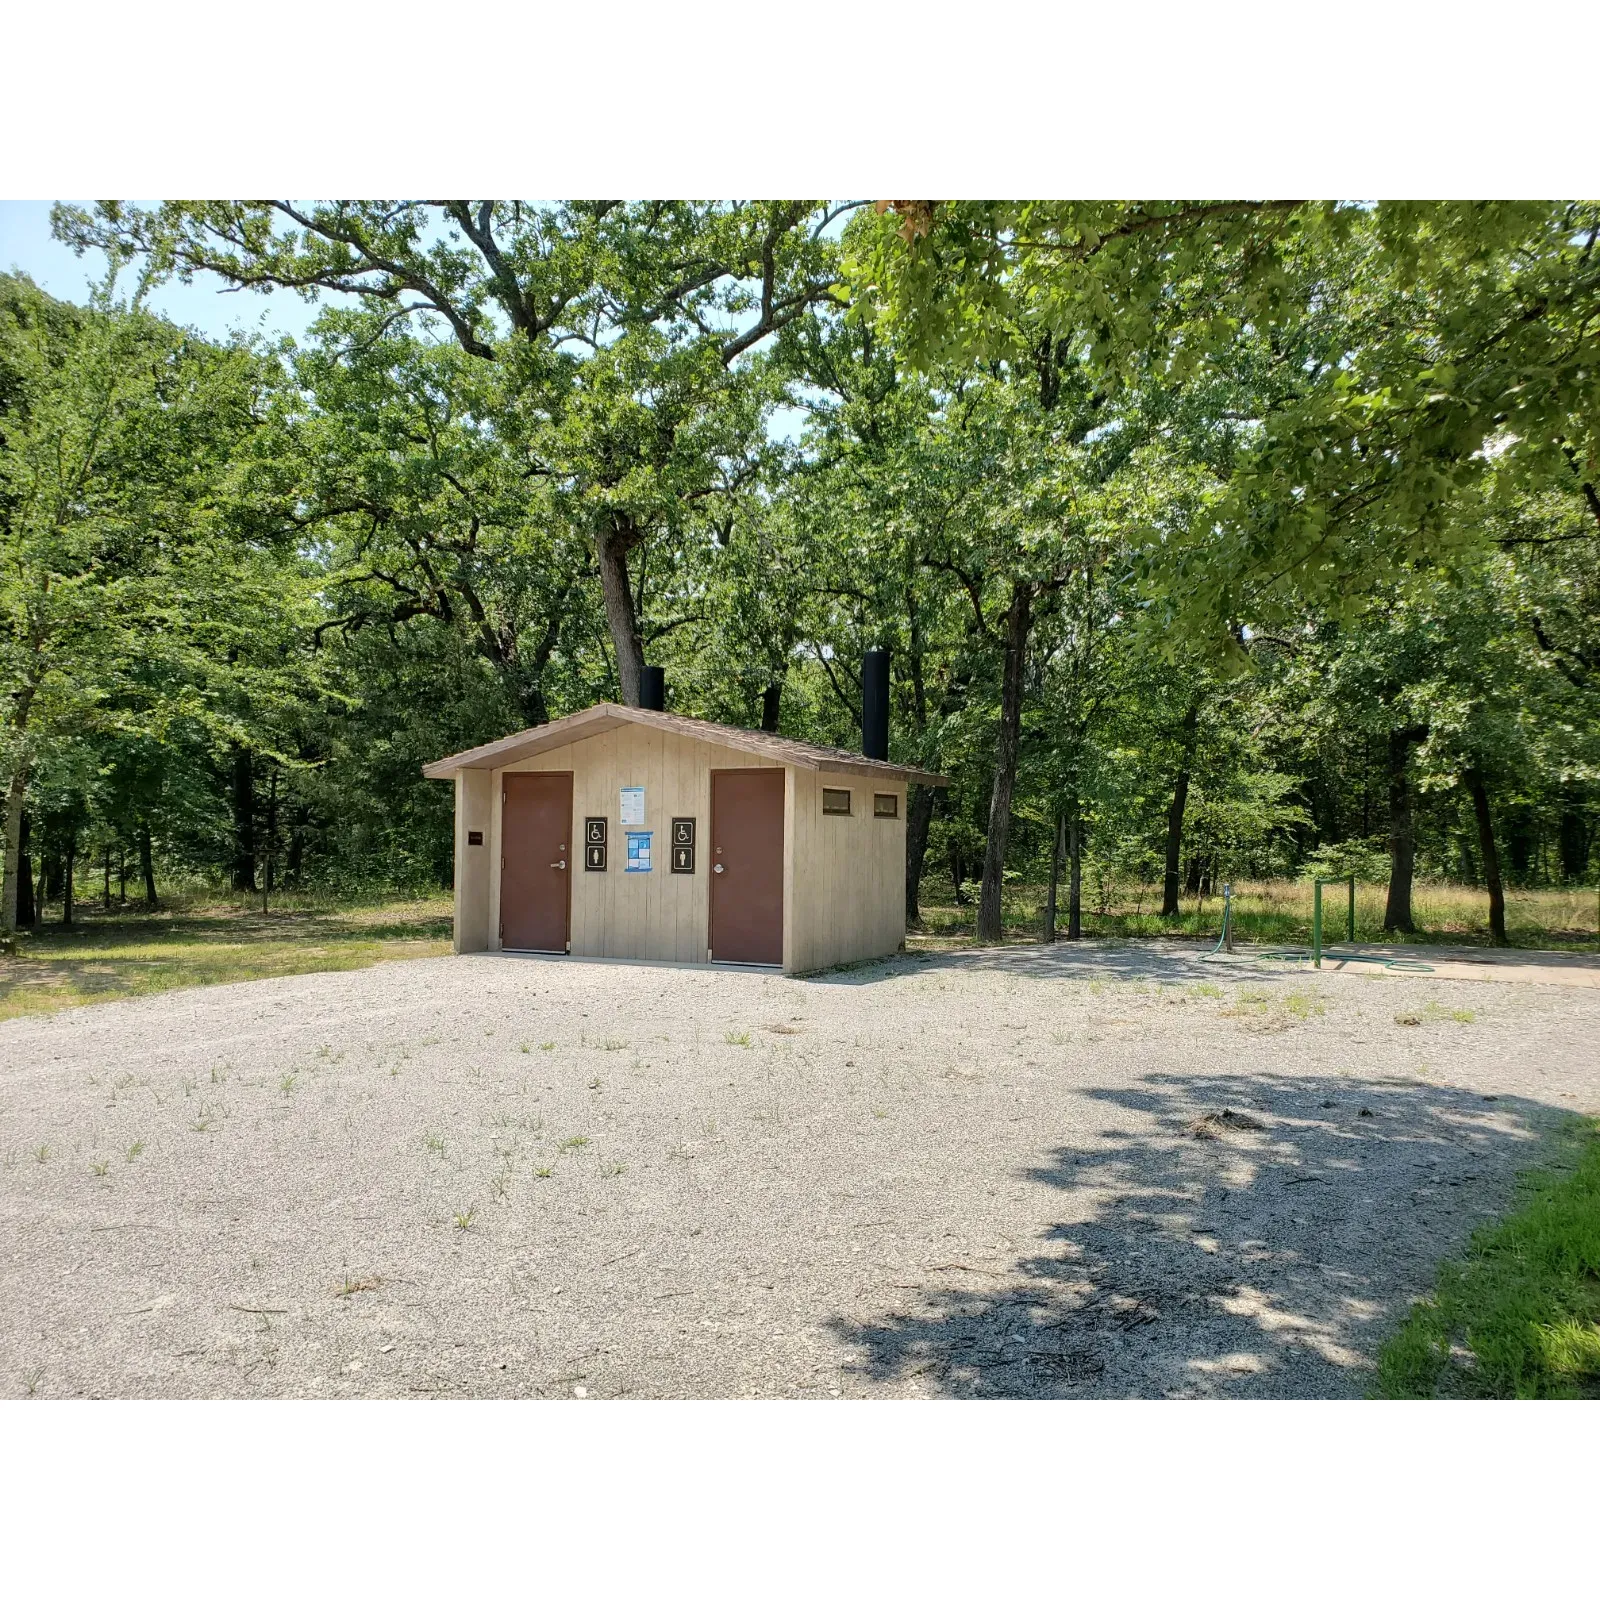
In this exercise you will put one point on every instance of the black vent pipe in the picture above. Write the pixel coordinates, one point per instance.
(875, 704)
(652, 689)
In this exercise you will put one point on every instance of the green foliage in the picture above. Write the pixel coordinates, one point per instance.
(1178, 519)
(1518, 1317)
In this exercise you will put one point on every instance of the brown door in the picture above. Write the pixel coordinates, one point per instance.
(747, 865)
(535, 849)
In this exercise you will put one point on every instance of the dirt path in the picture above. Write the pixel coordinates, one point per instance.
(1111, 1171)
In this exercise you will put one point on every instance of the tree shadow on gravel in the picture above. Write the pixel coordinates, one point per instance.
(1111, 960)
(1257, 1240)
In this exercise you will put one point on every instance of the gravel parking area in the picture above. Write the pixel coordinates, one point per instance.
(1110, 1170)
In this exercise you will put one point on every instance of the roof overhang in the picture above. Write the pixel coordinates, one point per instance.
(603, 718)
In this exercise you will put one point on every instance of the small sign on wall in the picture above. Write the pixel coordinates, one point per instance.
(474, 836)
(632, 807)
(594, 844)
(683, 844)
(638, 851)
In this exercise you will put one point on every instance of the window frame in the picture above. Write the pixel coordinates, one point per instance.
(835, 811)
(893, 813)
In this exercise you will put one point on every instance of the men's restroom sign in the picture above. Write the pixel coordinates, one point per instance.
(594, 844)
(683, 844)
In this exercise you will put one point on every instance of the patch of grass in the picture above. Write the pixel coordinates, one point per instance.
(1207, 990)
(206, 1120)
(42, 1154)
(1518, 1316)
(544, 1172)
(615, 1170)
(434, 1142)
(99, 1168)
(1298, 1003)
(576, 1142)
(549, 1044)
(134, 1150)
(1434, 1012)
(465, 1219)
(1272, 911)
(353, 1286)
(613, 1044)
(286, 1083)
(736, 1036)
(124, 955)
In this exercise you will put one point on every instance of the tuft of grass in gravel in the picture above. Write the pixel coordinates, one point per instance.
(1518, 1317)
(737, 1036)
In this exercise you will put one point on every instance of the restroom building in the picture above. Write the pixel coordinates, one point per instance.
(640, 834)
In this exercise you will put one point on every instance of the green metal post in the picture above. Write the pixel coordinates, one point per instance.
(1316, 923)
(1352, 933)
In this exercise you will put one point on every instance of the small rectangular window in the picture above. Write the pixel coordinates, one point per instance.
(836, 802)
(886, 805)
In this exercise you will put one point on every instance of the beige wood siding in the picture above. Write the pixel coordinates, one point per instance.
(844, 877)
(641, 916)
(473, 794)
(845, 891)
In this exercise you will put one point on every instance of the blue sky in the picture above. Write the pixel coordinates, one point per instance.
(26, 246)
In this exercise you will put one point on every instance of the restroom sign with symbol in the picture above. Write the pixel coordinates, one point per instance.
(594, 844)
(683, 844)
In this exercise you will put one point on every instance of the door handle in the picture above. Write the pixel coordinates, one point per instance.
(561, 864)
(718, 867)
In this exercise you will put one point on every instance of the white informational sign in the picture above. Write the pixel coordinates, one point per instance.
(632, 806)
(638, 850)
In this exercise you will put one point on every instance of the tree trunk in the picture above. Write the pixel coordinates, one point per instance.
(244, 819)
(1075, 873)
(269, 844)
(294, 859)
(919, 818)
(1191, 883)
(1520, 844)
(1573, 844)
(26, 912)
(1402, 831)
(1491, 858)
(958, 872)
(122, 872)
(1019, 622)
(67, 878)
(771, 705)
(611, 548)
(147, 868)
(10, 895)
(1180, 802)
(106, 899)
(1049, 935)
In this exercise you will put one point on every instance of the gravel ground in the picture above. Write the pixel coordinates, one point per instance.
(1110, 1170)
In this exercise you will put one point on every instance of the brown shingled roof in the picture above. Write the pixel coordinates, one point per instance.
(603, 717)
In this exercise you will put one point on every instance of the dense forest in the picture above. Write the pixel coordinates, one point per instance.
(1208, 539)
